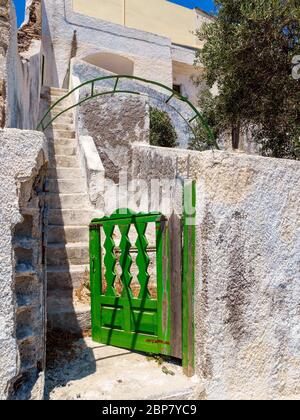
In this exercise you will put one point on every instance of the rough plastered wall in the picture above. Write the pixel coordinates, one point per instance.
(115, 123)
(247, 270)
(151, 53)
(21, 76)
(23, 156)
(4, 44)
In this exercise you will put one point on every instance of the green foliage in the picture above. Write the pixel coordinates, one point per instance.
(248, 53)
(162, 132)
(198, 141)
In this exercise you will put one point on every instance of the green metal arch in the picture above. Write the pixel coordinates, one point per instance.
(43, 125)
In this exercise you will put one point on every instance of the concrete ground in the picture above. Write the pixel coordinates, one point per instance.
(92, 371)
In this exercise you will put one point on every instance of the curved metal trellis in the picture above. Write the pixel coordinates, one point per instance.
(43, 125)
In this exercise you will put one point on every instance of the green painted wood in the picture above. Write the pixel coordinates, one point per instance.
(150, 304)
(95, 280)
(163, 287)
(125, 262)
(126, 276)
(141, 323)
(142, 320)
(127, 220)
(131, 341)
(110, 260)
(188, 282)
(176, 250)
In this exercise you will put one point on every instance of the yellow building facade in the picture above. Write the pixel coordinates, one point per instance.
(159, 17)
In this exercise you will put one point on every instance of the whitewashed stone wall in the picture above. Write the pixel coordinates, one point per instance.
(247, 270)
(23, 156)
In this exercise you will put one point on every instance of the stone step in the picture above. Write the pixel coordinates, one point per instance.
(66, 118)
(27, 349)
(61, 106)
(64, 315)
(63, 161)
(61, 142)
(59, 95)
(67, 234)
(57, 91)
(62, 109)
(65, 134)
(24, 333)
(58, 126)
(26, 301)
(55, 149)
(72, 217)
(25, 270)
(68, 254)
(64, 173)
(54, 97)
(67, 201)
(66, 277)
(67, 186)
(59, 120)
(60, 101)
(63, 126)
(49, 90)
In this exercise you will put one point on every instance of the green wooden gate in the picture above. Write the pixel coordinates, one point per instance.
(129, 312)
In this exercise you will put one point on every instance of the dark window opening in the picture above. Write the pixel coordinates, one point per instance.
(177, 88)
(43, 70)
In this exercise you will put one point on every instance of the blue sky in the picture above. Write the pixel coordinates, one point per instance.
(20, 7)
(206, 5)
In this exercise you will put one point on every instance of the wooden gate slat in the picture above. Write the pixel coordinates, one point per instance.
(142, 260)
(175, 230)
(95, 276)
(109, 260)
(139, 323)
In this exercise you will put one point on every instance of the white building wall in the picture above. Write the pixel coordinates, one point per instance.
(152, 55)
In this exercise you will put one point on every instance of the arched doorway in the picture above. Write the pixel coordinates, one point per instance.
(113, 63)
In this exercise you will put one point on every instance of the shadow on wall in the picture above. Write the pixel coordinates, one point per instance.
(111, 62)
(66, 324)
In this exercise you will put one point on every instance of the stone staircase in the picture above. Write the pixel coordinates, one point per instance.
(70, 213)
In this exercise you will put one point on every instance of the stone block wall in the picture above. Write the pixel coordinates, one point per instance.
(23, 216)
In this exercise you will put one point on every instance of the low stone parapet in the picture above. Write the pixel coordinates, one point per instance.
(23, 222)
